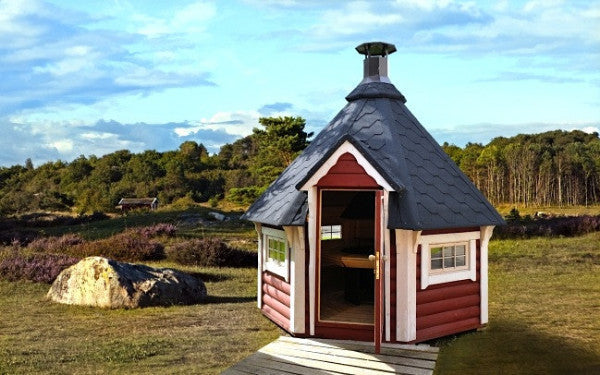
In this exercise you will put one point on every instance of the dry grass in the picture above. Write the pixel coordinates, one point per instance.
(504, 209)
(544, 311)
(37, 336)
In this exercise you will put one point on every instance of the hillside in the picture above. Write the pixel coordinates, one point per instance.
(552, 168)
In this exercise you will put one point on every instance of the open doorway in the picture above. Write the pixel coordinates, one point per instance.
(347, 238)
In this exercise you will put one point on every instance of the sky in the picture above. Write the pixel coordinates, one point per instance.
(92, 77)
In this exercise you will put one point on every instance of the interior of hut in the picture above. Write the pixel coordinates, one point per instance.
(347, 240)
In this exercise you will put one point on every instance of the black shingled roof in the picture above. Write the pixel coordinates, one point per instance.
(430, 190)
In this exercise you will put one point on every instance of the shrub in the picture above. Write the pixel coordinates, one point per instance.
(41, 268)
(567, 226)
(210, 252)
(245, 195)
(130, 245)
(55, 244)
(161, 229)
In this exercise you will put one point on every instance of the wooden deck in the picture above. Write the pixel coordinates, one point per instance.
(289, 355)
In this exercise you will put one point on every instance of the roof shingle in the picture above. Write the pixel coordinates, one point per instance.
(430, 190)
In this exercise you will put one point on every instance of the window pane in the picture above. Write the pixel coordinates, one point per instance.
(436, 264)
(460, 250)
(460, 261)
(448, 251)
(448, 262)
(436, 252)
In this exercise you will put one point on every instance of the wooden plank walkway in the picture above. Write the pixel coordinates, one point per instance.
(290, 355)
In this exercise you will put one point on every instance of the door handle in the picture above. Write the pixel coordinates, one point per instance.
(375, 258)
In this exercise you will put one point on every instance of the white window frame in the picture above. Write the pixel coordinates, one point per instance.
(269, 264)
(440, 276)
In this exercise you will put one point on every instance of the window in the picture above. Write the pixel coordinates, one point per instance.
(331, 232)
(276, 249)
(448, 257)
(275, 252)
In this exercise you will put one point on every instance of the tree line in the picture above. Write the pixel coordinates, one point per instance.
(240, 171)
(552, 168)
(546, 169)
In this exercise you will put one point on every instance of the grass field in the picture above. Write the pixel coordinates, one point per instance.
(544, 316)
(41, 337)
(544, 304)
(504, 209)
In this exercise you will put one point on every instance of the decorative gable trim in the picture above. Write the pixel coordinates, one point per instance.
(346, 147)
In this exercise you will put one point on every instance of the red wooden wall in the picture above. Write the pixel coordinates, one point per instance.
(347, 173)
(445, 309)
(276, 300)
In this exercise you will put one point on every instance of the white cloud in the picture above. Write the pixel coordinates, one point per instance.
(590, 129)
(62, 145)
(192, 18)
(355, 18)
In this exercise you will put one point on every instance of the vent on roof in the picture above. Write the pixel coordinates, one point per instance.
(375, 63)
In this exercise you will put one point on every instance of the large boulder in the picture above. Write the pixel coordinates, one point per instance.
(97, 281)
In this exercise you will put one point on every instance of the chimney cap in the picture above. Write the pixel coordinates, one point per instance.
(376, 49)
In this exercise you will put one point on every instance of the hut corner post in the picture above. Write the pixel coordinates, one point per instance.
(406, 290)
(486, 234)
(295, 237)
(258, 229)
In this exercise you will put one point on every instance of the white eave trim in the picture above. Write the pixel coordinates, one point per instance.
(346, 147)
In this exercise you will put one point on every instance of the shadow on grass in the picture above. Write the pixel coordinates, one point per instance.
(509, 347)
(207, 277)
(227, 299)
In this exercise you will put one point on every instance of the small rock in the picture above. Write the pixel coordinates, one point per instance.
(217, 216)
(98, 281)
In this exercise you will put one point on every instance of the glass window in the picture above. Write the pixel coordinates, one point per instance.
(276, 249)
(331, 232)
(275, 252)
(448, 257)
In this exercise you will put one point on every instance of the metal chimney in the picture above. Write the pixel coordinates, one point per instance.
(375, 63)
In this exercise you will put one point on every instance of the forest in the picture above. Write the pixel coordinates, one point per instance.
(552, 168)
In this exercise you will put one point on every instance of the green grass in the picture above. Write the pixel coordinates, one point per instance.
(544, 308)
(108, 227)
(37, 336)
(544, 311)
(504, 209)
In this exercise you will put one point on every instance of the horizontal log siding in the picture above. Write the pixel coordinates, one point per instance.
(276, 300)
(445, 309)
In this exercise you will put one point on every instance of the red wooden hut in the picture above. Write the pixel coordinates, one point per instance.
(373, 233)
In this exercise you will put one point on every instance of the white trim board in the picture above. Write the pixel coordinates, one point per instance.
(486, 234)
(406, 285)
(295, 235)
(346, 147)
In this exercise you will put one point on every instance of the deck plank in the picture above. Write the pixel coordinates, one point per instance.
(289, 355)
(344, 353)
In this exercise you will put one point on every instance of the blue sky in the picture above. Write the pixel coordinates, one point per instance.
(92, 77)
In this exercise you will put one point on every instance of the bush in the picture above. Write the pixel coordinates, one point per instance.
(41, 268)
(131, 245)
(245, 195)
(161, 229)
(210, 252)
(55, 244)
(567, 226)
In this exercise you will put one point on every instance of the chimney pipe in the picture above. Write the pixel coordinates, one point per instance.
(375, 63)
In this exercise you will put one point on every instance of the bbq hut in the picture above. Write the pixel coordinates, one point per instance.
(373, 233)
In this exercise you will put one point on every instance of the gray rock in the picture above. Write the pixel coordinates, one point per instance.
(97, 281)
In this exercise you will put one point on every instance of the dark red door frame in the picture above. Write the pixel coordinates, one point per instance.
(378, 321)
(378, 264)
